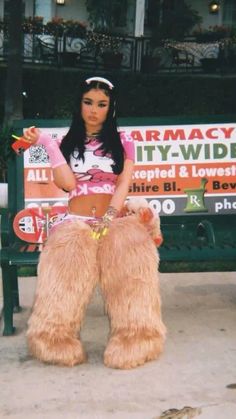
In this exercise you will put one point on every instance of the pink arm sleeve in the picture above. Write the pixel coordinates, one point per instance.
(55, 155)
(128, 144)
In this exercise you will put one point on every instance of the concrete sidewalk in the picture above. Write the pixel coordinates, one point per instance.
(198, 365)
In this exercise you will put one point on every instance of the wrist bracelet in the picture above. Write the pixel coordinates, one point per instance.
(111, 213)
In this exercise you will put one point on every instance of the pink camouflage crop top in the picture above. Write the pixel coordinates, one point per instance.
(95, 175)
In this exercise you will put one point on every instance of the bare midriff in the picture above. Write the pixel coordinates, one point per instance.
(90, 205)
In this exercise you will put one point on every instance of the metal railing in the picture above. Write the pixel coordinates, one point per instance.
(68, 51)
(136, 54)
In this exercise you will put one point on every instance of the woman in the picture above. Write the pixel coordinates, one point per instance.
(94, 165)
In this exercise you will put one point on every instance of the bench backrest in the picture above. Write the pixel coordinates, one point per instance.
(185, 167)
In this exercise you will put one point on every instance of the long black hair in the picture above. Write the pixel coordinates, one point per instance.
(108, 137)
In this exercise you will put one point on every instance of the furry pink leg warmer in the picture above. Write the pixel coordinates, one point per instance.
(129, 280)
(67, 275)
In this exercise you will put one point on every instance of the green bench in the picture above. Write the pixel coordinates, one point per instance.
(192, 238)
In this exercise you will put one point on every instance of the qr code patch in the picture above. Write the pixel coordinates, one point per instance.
(38, 154)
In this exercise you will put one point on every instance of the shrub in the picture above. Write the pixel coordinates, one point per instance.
(52, 93)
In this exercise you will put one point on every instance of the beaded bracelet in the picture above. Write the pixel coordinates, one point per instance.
(111, 213)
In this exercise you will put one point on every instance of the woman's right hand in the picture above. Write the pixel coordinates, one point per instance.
(31, 134)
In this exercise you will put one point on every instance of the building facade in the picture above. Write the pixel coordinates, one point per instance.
(132, 17)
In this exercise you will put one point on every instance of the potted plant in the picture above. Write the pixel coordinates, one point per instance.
(104, 18)
(110, 51)
(71, 28)
(32, 25)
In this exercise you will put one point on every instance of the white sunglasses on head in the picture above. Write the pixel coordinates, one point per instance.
(100, 79)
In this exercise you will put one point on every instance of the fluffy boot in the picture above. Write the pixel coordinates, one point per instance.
(67, 275)
(129, 280)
